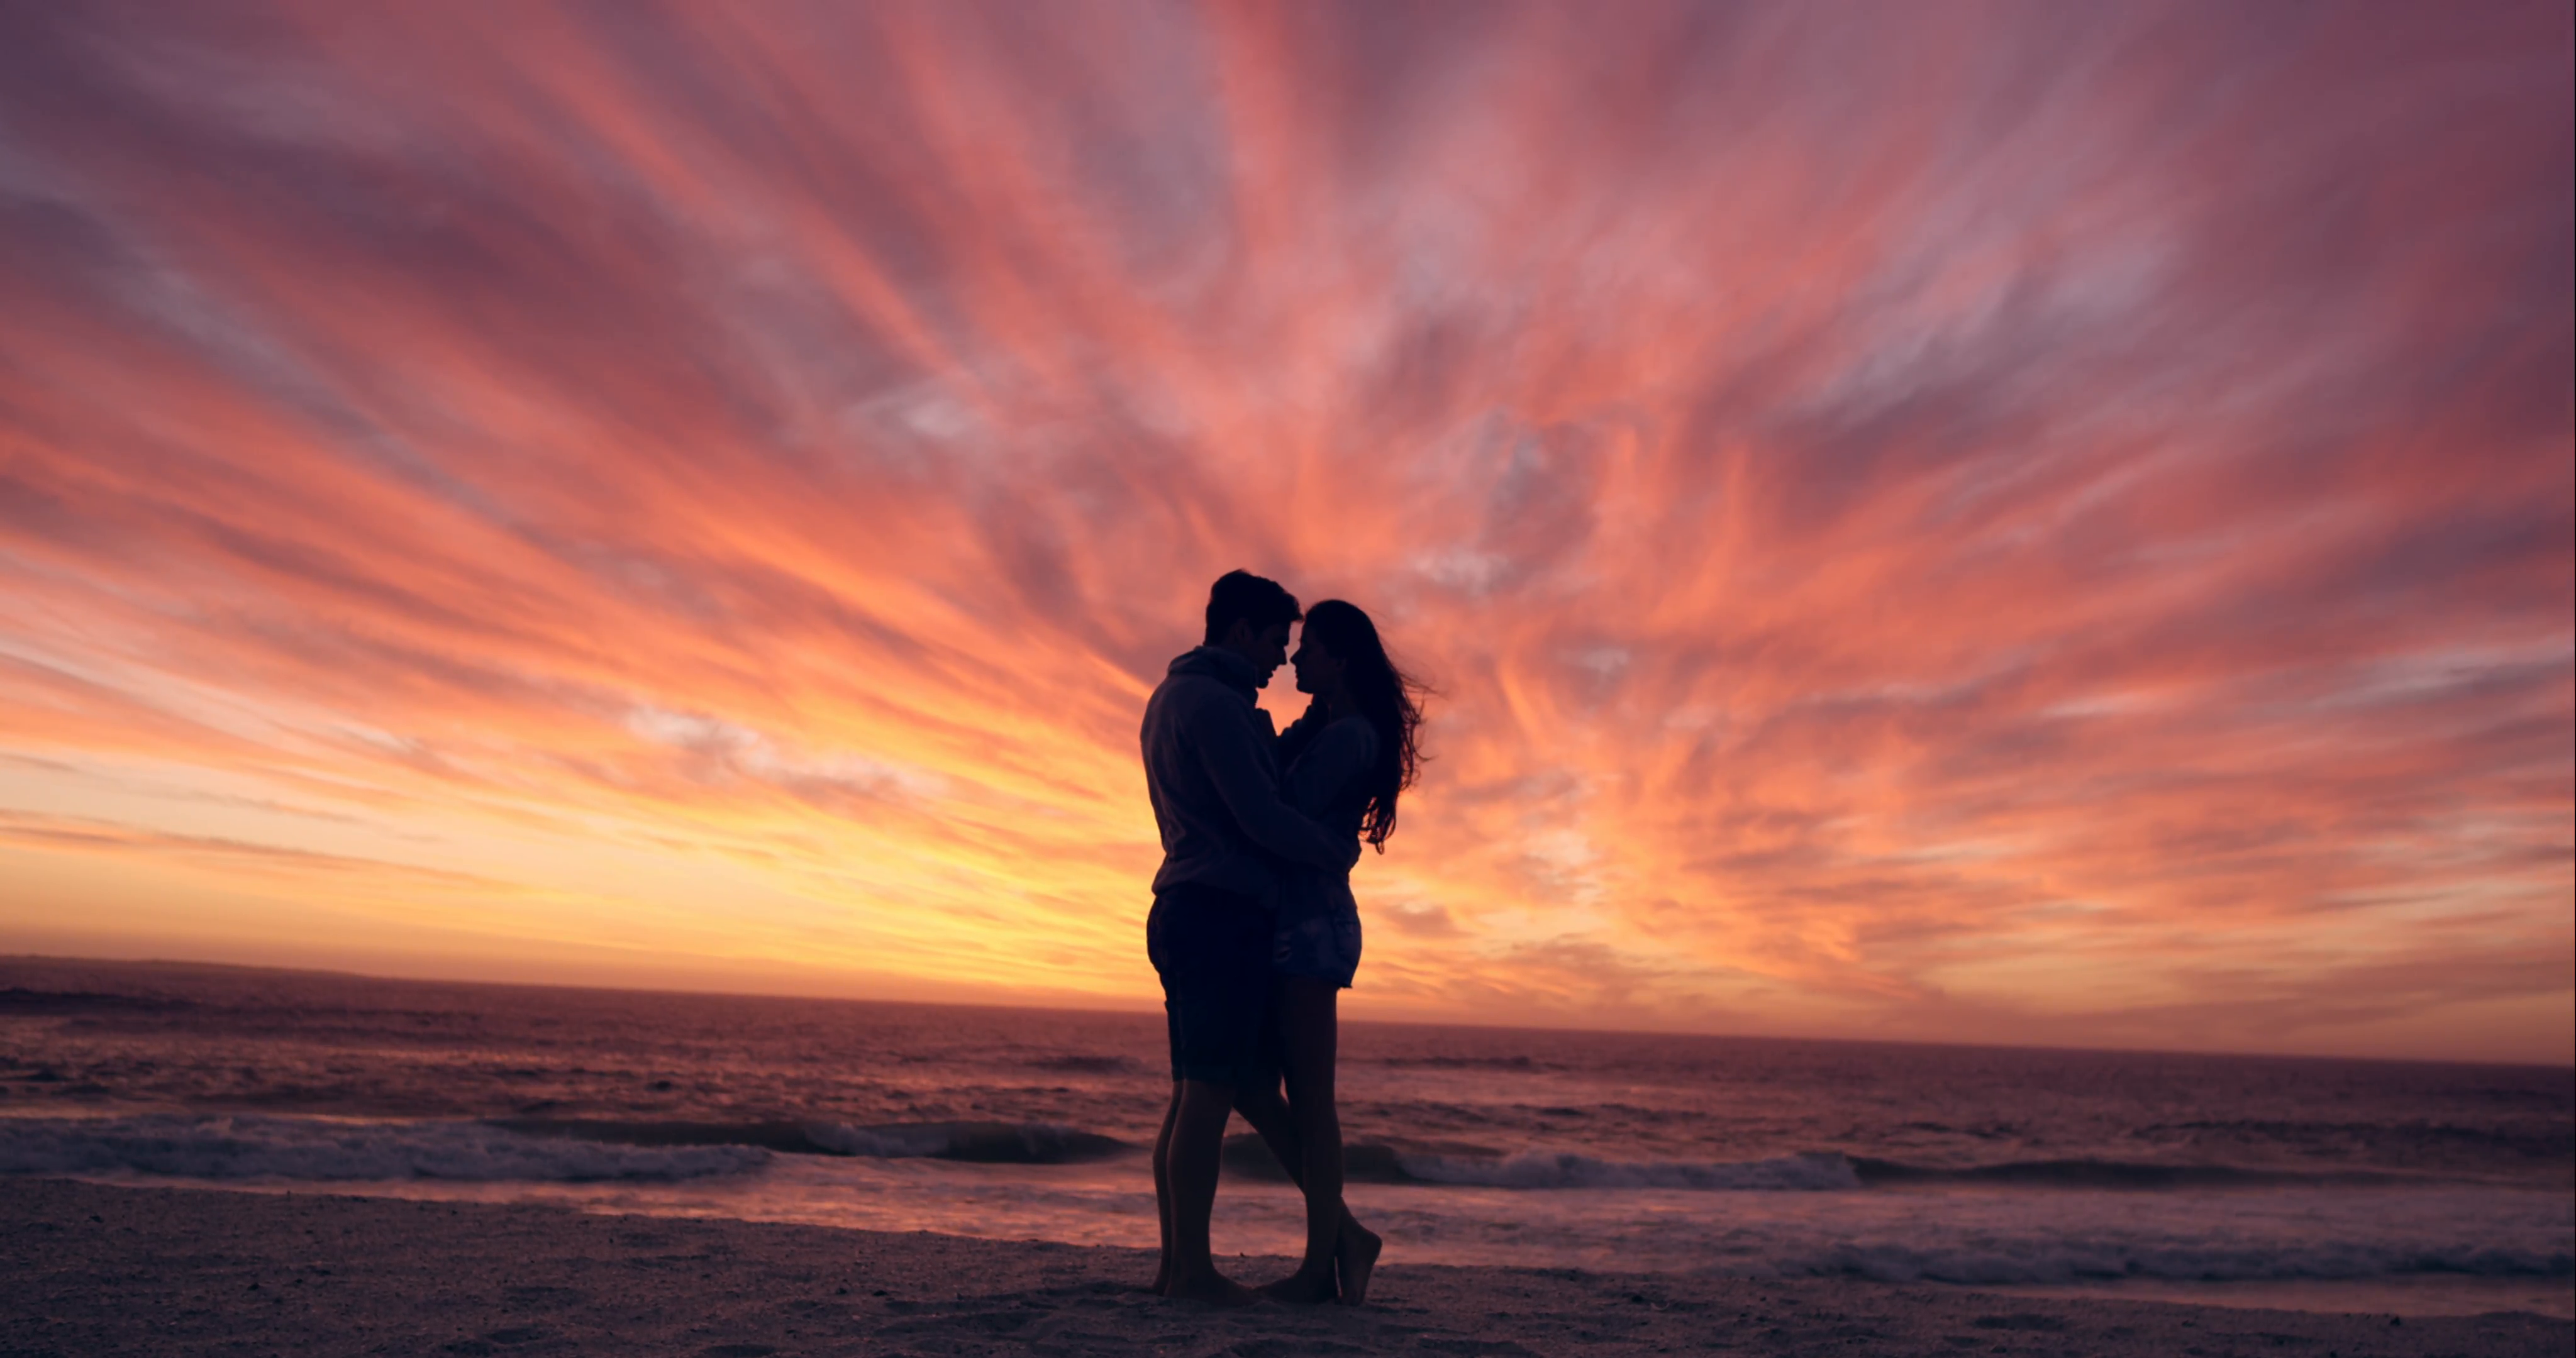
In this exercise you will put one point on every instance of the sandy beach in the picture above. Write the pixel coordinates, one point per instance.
(98, 1270)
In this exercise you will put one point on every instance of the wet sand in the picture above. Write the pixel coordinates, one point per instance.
(89, 1270)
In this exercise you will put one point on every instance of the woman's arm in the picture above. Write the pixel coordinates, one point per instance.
(1337, 756)
(1302, 732)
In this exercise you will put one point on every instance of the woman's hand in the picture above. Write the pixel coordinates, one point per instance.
(1309, 723)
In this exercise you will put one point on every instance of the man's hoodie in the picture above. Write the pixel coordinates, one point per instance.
(1214, 779)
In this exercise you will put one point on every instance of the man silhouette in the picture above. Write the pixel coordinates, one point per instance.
(1212, 772)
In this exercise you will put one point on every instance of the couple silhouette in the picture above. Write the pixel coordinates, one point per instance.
(1254, 931)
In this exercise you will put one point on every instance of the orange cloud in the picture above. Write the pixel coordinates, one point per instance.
(1924, 525)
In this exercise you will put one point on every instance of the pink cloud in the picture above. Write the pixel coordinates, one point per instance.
(1923, 523)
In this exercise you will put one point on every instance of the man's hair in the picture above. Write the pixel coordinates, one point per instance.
(1250, 598)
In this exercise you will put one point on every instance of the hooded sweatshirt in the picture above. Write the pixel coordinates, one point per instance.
(1214, 779)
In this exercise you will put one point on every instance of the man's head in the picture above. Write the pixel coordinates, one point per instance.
(1249, 616)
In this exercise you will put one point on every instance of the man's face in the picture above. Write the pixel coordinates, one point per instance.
(1266, 648)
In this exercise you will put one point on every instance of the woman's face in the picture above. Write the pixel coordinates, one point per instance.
(1318, 672)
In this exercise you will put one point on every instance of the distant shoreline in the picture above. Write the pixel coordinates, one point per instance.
(99, 1269)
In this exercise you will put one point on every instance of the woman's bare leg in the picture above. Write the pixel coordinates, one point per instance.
(1356, 1247)
(1304, 1009)
(1267, 1113)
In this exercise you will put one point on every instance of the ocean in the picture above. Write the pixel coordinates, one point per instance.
(2318, 1184)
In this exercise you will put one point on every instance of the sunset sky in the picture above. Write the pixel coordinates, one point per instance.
(2030, 523)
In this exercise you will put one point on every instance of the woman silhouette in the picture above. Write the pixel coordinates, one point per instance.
(1347, 759)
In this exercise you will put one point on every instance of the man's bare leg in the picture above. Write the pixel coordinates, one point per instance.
(1163, 1191)
(1192, 1162)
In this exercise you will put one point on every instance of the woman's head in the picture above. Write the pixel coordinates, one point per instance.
(1347, 654)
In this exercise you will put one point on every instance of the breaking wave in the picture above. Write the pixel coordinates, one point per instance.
(1822, 1172)
(230, 1146)
(2126, 1174)
(252, 1146)
(1808, 1172)
(1820, 1214)
(1011, 1143)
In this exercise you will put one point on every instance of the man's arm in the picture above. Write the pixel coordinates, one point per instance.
(1226, 746)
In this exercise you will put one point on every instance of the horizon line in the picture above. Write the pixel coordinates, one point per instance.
(182, 962)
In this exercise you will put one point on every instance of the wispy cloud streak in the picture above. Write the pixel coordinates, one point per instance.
(1998, 524)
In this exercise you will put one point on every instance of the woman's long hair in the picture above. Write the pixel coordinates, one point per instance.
(1389, 698)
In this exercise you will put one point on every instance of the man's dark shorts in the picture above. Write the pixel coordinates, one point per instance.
(1212, 949)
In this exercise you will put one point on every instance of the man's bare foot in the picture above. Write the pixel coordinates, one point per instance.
(1355, 1257)
(1215, 1289)
(1304, 1287)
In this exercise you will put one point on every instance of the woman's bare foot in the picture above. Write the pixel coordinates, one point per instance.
(1215, 1289)
(1355, 1256)
(1305, 1287)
